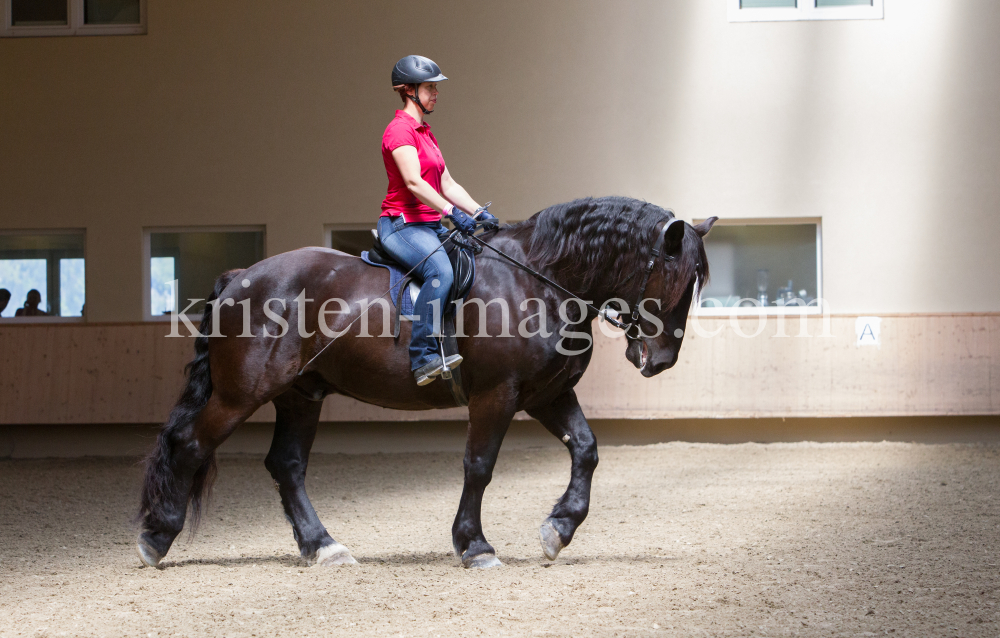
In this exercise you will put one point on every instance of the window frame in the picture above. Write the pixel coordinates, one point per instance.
(769, 311)
(52, 231)
(805, 10)
(332, 228)
(147, 283)
(75, 24)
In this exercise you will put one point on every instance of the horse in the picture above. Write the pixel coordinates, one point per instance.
(249, 353)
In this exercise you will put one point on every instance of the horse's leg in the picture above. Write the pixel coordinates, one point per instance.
(294, 432)
(489, 419)
(181, 469)
(564, 418)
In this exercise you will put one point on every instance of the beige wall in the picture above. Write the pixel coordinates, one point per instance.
(254, 112)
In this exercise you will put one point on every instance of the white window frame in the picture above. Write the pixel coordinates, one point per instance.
(806, 10)
(755, 311)
(52, 231)
(75, 24)
(147, 254)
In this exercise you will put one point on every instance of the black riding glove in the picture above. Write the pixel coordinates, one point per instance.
(465, 224)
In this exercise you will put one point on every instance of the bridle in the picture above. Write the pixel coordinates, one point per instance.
(629, 326)
(657, 248)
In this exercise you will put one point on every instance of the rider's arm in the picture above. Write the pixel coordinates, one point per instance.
(457, 195)
(408, 161)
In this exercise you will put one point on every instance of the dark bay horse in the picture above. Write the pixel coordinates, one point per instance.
(597, 248)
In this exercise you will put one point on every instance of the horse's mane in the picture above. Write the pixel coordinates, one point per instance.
(608, 240)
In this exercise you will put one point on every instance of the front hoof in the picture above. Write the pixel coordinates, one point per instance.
(551, 541)
(481, 561)
(335, 554)
(148, 555)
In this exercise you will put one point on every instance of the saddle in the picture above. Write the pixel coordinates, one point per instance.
(462, 255)
(463, 265)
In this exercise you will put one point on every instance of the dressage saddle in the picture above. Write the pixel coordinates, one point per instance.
(463, 265)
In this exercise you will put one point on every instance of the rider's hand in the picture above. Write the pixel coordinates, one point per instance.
(488, 220)
(461, 221)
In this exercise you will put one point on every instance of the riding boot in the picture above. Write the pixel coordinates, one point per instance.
(427, 373)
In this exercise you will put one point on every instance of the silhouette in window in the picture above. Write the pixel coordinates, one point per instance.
(31, 308)
(4, 299)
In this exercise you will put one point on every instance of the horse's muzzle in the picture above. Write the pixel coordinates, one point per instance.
(649, 361)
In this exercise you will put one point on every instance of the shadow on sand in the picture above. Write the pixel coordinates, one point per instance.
(440, 559)
(286, 560)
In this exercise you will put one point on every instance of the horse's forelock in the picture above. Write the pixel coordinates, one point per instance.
(690, 266)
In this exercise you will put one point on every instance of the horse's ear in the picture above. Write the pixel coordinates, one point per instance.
(673, 236)
(703, 228)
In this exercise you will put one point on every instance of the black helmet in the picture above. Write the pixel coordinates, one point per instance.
(414, 69)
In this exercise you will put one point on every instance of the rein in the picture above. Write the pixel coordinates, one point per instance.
(633, 322)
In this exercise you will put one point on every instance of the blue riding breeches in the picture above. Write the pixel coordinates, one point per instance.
(409, 244)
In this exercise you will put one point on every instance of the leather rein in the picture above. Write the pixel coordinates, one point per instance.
(632, 323)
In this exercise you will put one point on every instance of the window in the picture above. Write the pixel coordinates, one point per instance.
(73, 17)
(183, 264)
(776, 10)
(349, 238)
(42, 274)
(763, 266)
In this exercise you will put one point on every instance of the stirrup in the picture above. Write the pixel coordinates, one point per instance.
(429, 372)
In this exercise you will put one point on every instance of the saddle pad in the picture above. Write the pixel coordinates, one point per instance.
(395, 278)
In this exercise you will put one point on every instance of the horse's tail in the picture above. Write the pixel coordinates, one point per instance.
(176, 438)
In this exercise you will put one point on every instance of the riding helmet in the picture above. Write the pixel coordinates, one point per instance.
(415, 69)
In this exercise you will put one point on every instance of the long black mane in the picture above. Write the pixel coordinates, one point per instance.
(607, 241)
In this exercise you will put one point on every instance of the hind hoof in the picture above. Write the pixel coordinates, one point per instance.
(481, 561)
(332, 555)
(148, 555)
(551, 541)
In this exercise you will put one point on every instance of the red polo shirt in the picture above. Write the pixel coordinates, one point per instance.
(403, 130)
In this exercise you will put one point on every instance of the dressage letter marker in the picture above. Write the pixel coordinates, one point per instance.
(868, 330)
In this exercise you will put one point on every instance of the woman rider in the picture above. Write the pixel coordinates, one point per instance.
(421, 192)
